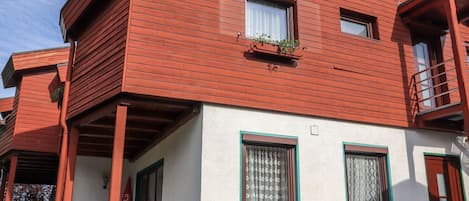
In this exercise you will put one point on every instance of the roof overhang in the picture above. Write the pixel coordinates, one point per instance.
(32, 61)
(431, 14)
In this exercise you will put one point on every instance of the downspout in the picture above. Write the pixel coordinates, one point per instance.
(63, 124)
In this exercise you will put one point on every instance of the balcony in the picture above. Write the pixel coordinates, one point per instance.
(439, 87)
(436, 99)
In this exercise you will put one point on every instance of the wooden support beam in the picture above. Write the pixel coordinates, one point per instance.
(118, 154)
(11, 178)
(2, 185)
(136, 129)
(62, 167)
(71, 164)
(459, 59)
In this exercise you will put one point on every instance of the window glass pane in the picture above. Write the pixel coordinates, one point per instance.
(354, 28)
(266, 173)
(159, 184)
(441, 184)
(363, 178)
(266, 18)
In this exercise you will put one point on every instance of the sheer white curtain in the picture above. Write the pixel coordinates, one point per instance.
(266, 18)
(363, 178)
(266, 173)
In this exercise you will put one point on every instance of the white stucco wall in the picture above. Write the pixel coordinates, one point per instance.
(181, 152)
(89, 175)
(321, 160)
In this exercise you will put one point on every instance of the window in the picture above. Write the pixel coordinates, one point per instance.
(150, 183)
(366, 173)
(269, 168)
(358, 24)
(274, 19)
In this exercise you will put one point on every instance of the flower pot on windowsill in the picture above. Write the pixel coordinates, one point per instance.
(274, 50)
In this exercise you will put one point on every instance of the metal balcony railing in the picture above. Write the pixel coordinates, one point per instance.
(435, 87)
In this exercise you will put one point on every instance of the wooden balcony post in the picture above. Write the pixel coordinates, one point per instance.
(459, 58)
(11, 178)
(71, 164)
(62, 169)
(118, 154)
(2, 186)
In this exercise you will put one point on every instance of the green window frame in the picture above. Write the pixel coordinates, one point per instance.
(144, 182)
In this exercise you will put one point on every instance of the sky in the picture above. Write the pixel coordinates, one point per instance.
(28, 25)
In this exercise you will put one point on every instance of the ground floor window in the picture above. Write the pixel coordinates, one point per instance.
(366, 173)
(269, 168)
(150, 183)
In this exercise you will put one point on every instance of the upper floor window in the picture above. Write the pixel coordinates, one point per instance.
(269, 168)
(358, 24)
(274, 19)
(366, 173)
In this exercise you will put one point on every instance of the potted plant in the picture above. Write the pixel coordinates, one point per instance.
(284, 48)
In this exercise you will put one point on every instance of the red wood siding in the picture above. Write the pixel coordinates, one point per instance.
(6, 139)
(97, 73)
(37, 117)
(6, 104)
(72, 11)
(32, 60)
(188, 49)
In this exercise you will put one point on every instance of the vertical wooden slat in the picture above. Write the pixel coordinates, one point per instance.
(118, 153)
(11, 178)
(2, 186)
(72, 156)
(459, 58)
(63, 122)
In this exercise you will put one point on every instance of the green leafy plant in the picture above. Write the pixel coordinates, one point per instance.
(285, 46)
(263, 39)
(288, 46)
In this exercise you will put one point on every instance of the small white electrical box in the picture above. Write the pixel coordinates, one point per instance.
(314, 129)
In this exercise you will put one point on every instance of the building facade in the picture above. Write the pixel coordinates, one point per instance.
(247, 100)
(30, 137)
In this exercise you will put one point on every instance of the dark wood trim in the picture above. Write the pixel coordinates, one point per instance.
(365, 149)
(369, 21)
(268, 139)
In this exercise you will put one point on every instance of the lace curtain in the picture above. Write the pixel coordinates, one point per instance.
(266, 18)
(363, 178)
(266, 173)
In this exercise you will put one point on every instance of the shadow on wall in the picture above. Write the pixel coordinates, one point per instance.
(415, 188)
(402, 38)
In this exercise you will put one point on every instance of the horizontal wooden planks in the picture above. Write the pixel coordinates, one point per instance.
(72, 11)
(97, 72)
(37, 122)
(188, 50)
(6, 104)
(6, 139)
(40, 58)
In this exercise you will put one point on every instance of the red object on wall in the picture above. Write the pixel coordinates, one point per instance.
(127, 196)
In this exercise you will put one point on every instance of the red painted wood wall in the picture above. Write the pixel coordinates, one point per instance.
(188, 49)
(98, 70)
(34, 121)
